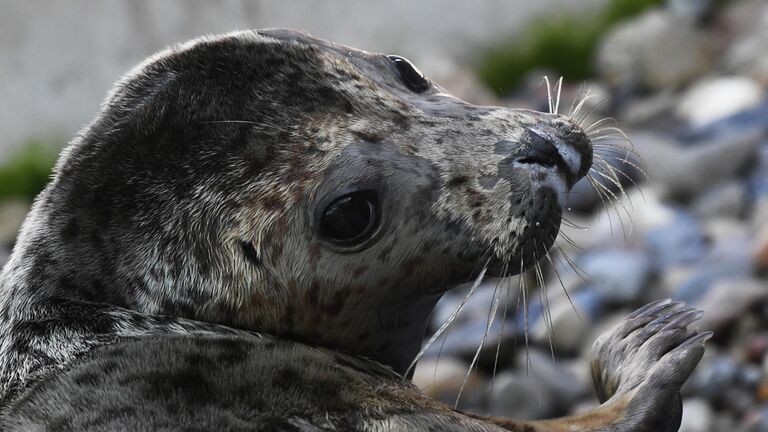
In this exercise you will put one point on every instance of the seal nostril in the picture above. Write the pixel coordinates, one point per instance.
(541, 150)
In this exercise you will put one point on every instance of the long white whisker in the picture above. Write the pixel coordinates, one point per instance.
(488, 325)
(450, 319)
(559, 91)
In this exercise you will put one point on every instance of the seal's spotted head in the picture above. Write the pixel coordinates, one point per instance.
(277, 182)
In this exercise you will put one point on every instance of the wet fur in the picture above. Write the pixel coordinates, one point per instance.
(180, 223)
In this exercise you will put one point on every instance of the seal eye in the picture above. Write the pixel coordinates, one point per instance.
(350, 219)
(411, 76)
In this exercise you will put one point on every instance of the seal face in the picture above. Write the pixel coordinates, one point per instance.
(274, 182)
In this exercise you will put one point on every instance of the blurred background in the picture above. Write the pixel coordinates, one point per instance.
(685, 79)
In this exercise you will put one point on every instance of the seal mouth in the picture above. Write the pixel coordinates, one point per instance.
(555, 160)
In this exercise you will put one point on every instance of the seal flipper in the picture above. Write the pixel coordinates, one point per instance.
(638, 368)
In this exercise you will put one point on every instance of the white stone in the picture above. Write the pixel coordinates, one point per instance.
(716, 98)
(697, 416)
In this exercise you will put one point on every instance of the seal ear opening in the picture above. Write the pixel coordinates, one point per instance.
(250, 253)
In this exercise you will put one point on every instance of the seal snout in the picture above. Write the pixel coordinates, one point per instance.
(570, 158)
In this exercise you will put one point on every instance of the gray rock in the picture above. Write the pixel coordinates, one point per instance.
(748, 55)
(478, 305)
(566, 387)
(566, 328)
(619, 275)
(691, 9)
(756, 421)
(713, 377)
(726, 200)
(679, 242)
(515, 395)
(642, 111)
(655, 50)
(684, 172)
(443, 379)
(463, 340)
(728, 299)
(697, 416)
(718, 98)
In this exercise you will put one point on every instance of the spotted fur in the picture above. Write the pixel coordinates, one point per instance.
(171, 275)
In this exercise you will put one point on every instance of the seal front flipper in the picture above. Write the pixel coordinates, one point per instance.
(638, 369)
(647, 358)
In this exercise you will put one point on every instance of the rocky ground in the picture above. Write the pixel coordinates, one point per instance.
(687, 83)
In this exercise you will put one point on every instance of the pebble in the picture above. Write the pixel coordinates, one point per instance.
(748, 54)
(515, 395)
(686, 171)
(756, 421)
(679, 242)
(652, 51)
(618, 275)
(564, 328)
(565, 386)
(442, 378)
(728, 300)
(697, 416)
(717, 98)
(728, 199)
(462, 341)
(478, 305)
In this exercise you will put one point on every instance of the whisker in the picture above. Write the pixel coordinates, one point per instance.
(503, 322)
(547, 317)
(616, 198)
(489, 323)
(624, 160)
(450, 319)
(549, 94)
(523, 291)
(569, 223)
(598, 123)
(579, 106)
(576, 97)
(583, 118)
(562, 284)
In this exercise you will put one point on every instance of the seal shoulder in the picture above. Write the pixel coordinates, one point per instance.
(225, 382)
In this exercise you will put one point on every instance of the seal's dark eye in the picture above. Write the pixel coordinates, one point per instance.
(412, 77)
(351, 218)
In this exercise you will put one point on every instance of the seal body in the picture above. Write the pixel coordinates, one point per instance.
(257, 216)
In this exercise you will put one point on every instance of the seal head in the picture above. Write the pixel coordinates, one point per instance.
(271, 181)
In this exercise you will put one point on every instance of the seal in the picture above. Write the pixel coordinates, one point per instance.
(253, 231)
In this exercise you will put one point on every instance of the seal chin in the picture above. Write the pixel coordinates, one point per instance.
(530, 241)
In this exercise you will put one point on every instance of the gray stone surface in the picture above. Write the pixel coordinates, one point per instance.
(655, 50)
